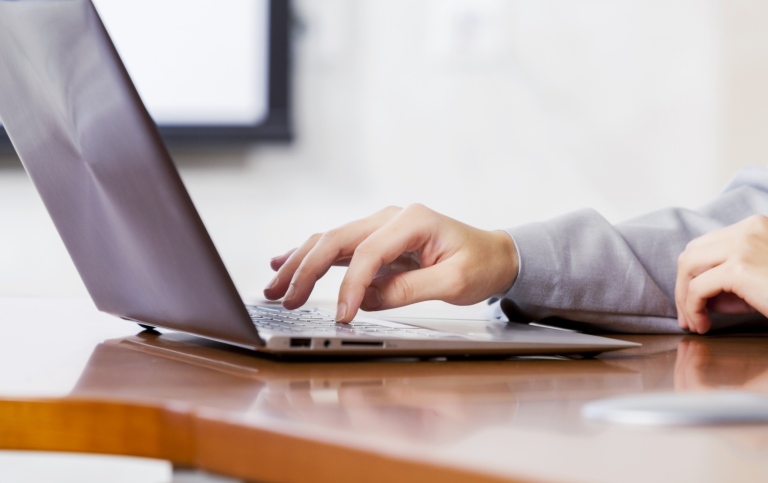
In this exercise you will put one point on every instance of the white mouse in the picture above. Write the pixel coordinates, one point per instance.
(676, 409)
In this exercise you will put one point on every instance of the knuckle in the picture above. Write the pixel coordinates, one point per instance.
(352, 286)
(692, 245)
(302, 274)
(758, 223)
(364, 250)
(694, 287)
(402, 290)
(737, 286)
(754, 239)
(299, 274)
(328, 236)
(738, 267)
(746, 246)
(390, 210)
(416, 209)
(416, 213)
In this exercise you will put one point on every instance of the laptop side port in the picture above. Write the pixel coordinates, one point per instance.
(300, 342)
(362, 343)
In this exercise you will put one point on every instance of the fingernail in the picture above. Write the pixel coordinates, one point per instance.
(341, 312)
(290, 293)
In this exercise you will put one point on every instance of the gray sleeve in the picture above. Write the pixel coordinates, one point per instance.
(619, 277)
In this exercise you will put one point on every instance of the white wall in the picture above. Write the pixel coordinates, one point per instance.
(495, 112)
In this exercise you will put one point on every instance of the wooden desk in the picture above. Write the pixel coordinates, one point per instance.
(77, 380)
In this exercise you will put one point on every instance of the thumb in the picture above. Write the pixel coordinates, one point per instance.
(432, 283)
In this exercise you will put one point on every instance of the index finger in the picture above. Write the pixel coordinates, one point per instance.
(303, 269)
(409, 231)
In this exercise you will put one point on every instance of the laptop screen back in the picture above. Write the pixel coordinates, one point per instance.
(105, 177)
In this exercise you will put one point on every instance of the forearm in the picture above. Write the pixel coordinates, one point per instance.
(618, 277)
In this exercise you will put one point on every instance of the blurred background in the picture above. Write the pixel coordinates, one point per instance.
(495, 112)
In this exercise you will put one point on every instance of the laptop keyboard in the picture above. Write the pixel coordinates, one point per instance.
(320, 323)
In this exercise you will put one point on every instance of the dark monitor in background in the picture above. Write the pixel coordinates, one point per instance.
(209, 71)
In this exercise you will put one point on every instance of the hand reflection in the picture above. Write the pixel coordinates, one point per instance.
(710, 364)
(436, 411)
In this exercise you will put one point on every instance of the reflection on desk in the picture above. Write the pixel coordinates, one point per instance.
(434, 401)
(211, 406)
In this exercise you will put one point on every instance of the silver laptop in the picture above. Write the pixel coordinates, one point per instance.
(108, 182)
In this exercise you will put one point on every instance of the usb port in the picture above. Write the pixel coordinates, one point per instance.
(301, 342)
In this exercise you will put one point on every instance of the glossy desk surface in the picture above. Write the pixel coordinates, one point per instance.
(77, 380)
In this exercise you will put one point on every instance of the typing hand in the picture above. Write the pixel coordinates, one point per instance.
(725, 271)
(397, 257)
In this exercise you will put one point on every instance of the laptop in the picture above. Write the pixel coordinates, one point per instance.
(118, 203)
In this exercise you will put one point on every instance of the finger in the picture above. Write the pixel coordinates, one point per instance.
(403, 263)
(746, 241)
(407, 232)
(702, 288)
(289, 263)
(289, 275)
(280, 260)
(335, 246)
(700, 255)
(401, 289)
(279, 284)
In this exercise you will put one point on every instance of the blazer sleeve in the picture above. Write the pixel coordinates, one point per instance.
(591, 275)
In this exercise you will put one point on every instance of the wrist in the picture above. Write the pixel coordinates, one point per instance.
(509, 261)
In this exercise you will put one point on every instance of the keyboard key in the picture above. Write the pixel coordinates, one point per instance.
(314, 322)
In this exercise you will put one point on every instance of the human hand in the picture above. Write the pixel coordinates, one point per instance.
(725, 271)
(397, 257)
